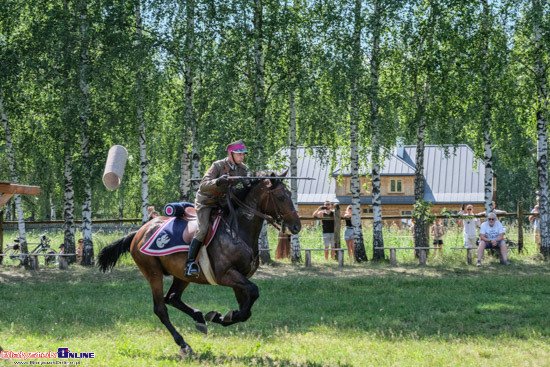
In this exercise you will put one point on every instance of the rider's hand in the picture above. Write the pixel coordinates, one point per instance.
(222, 180)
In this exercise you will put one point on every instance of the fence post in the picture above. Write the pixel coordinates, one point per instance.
(337, 227)
(520, 227)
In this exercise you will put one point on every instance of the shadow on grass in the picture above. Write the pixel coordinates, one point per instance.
(437, 302)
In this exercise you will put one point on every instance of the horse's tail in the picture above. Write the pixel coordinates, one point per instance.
(108, 257)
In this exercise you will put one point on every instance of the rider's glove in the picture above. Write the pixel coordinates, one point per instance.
(222, 180)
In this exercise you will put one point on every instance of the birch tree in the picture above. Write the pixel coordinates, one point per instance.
(355, 70)
(140, 113)
(486, 114)
(377, 236)
(540, 67)
(14, 177)
(84, 111)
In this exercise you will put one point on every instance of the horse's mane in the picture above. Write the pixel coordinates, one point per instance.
(242, 193)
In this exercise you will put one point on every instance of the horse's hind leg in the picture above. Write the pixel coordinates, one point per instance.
(162, 311)
(173, 298)
(246, 293)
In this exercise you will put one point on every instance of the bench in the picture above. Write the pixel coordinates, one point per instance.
(469, 250)
(340, 252)
(421, 253)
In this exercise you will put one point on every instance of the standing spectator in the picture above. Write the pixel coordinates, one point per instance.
(348, 234)
(535, 219)
(62, 248)
(438, 231)
(470, 225)
(78, 250)
(327, 213)
(492, 236)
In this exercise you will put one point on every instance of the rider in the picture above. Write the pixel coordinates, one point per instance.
(211, 194)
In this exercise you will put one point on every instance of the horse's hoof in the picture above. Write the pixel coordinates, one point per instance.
(212, 315)
(228, 317)
(186, 351)
(201, 327)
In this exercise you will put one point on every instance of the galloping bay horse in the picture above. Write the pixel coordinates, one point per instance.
(233, 257)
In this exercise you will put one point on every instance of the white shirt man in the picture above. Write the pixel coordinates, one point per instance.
(491, 235)
(470, 227)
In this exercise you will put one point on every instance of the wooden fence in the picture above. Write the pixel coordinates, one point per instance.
(132, 224)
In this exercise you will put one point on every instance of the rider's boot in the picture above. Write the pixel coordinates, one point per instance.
(191, 267)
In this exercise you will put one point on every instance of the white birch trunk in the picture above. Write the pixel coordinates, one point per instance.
(263, 244)
(377, 235)
(52, 208)
(541, 79)
(259, 82)
(144, 163)
(190, 118)
(185, 182)
(88, 250)
(420, 223)
(13, 171)
(360, 253)
(486, 123)
(68, 122)
(68, 197)
(295, 253)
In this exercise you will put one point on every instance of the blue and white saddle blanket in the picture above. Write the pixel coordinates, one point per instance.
(167, 239)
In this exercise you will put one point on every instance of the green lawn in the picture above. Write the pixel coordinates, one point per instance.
(444, 314)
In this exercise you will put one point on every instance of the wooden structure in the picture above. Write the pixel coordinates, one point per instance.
(7, 190)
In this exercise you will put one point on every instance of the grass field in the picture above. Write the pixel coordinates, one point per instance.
(443, 314)
(362, 315)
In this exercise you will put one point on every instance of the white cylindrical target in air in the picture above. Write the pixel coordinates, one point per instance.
(114, 167)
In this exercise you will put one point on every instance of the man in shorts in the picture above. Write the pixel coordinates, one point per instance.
(326, 212)
(491, 235)
(470, 225)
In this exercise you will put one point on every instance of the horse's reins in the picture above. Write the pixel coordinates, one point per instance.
(273, 221)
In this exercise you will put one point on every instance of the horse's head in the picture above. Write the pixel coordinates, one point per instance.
(275, 200)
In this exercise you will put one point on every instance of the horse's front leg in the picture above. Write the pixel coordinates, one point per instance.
(173, 298)
(246, 293)
(161, 311)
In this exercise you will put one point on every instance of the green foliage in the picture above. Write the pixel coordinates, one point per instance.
(307, 48)
(422, 211)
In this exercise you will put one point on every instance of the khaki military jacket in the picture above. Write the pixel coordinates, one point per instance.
(209, 193)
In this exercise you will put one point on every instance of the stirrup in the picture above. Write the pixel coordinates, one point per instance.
(192, 270)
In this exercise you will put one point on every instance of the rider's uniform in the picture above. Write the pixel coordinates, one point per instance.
(211, 195)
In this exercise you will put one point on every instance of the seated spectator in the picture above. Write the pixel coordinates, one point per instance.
(491, 235)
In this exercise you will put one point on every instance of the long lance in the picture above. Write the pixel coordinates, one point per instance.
(262, 178)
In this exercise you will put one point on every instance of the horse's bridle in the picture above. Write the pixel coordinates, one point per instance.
(279, 217)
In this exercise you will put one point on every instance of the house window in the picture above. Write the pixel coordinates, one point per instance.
(406, 212)
(367, 211)
(396, 186)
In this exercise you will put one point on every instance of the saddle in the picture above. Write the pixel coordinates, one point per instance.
(176, 233)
